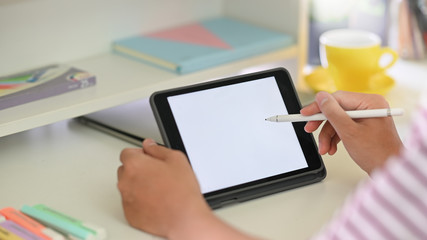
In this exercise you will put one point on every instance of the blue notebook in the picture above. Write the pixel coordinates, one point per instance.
(201, 45)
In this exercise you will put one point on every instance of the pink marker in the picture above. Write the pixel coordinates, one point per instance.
(29, 224)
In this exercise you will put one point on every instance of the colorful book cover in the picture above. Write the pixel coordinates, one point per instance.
(41, 83)
(201, 45)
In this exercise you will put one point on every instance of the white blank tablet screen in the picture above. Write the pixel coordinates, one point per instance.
(227, 139)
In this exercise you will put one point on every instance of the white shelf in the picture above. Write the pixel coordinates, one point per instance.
(28, 42)
(119, 80)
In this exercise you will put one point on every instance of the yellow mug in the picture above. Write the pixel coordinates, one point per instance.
(352, 57)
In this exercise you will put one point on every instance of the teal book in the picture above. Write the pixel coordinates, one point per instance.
(202, 44)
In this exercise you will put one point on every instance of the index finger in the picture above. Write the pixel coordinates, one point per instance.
(359, 101)
(308, 110)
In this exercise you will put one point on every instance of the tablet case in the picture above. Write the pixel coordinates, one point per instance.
(244, 193)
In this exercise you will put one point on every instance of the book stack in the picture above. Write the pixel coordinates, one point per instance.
(199, 45)
(40, 222)
(412, 42)
(41, 83)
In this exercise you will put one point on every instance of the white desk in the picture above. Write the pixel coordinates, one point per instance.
(73, 168)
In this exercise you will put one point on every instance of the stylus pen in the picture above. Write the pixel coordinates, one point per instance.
(370, 113)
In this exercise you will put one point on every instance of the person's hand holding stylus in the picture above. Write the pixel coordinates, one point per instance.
(369, 141)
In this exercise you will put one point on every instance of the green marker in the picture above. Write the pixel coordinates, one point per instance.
(23, 78)
(65, 223)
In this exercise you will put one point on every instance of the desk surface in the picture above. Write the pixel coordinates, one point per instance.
(73, 168)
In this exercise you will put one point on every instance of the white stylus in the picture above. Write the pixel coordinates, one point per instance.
(370, 113)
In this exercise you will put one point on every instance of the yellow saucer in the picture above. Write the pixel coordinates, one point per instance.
(320, 80)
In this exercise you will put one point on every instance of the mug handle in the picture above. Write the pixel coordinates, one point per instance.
(394, 55)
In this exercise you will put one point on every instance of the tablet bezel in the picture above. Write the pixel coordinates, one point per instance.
(171, 137)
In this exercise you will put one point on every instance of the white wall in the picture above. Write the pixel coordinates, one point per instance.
(38, 32)
(34, 33)
(281, 15)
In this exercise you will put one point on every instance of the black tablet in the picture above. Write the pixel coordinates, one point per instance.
(235, 153)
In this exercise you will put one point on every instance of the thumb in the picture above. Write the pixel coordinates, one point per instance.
(151, 148)
(335, 114)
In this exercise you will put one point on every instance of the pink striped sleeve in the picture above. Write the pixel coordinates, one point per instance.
(393, 203)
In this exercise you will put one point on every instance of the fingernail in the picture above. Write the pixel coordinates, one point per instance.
(322, 97)
(323, 100)
(149, 142)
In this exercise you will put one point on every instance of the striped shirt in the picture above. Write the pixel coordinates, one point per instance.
(392, 204)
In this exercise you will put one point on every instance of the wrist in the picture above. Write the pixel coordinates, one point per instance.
(192, 222)
(202, 223)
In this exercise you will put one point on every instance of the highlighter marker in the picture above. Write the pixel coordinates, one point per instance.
(30, 224)
(7, 235)
(19, 231)
(58, 224)
(22, 78)
(11, 83)
(99, 232)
